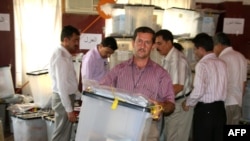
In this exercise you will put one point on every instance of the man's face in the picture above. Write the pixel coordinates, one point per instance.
(105, 52)
(143, 44)
(198, 53)
(73, 43)
(162, 46)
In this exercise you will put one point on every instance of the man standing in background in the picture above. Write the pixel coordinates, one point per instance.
(237, 70)
(177, 125)
(209, 92)
(64, 84)
(94, 62)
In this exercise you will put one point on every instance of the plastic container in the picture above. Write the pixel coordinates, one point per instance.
(41, 88)
(29, 127)
(50, 127)
(136, 16)
(119, 56)
(118, 23)
(98, 122)
(6, 83)
(77, 60)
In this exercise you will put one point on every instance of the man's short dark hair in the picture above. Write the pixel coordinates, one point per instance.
(144, 29)
(203, 40)
(221, 38)
(68, 31)
(109, 42)
(166, 35)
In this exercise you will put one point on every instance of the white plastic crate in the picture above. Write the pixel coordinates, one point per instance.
(50, 128)
(29, 129)
(98, 122)
(41, 88)
(6, 83)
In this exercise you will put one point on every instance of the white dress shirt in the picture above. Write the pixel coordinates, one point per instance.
(171, 64)
(64, 79)
(237, 70)
(185, 76)
(177, 66)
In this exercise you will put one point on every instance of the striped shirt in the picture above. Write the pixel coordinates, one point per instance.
(210, 81)
(152, 82)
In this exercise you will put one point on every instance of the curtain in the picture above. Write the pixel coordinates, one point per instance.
(37, 34)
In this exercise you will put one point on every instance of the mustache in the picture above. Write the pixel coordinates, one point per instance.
(141, 49)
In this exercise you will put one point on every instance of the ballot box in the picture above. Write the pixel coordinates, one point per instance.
(50, 123)
(41, 90)
(50, 126)
(104, 118)
(6, 83)
(29, 127)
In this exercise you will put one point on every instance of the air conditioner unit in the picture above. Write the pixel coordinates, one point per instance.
(81, 6)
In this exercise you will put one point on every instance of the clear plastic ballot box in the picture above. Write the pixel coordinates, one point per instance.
(29, 127)
(99, 122)
(6, 83)
(41, 88)
(50, 123)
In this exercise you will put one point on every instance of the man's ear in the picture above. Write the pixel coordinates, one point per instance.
(201, 50)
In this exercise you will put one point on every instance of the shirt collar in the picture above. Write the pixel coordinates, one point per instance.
(65, 52)
(210, 55)
(227, 49)
(168, 56)
(149, 63)
(98, 55)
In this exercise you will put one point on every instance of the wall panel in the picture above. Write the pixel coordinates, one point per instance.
(7, 38)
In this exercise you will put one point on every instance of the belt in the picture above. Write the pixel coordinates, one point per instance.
(182, 96)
